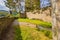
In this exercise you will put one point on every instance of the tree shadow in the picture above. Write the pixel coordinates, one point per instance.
(18, 35)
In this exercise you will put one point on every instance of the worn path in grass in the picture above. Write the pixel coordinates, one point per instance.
(9, 33)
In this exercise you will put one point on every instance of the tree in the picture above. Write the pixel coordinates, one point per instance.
(22, 9)
(13, 5)
(32, 5)
(55, 22)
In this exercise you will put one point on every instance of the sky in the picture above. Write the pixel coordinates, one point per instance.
(2, 5)
(44, 3)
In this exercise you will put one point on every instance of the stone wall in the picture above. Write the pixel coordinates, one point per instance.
(45, 15)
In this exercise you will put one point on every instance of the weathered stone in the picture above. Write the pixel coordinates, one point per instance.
(44, 16)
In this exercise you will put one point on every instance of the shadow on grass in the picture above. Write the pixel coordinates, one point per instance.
(18, 35)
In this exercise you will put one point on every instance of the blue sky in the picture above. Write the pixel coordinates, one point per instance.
(2, 5)
(44, 3)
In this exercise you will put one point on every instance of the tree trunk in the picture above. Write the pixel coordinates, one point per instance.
(22, 9)
(56, 20)
(22, 15)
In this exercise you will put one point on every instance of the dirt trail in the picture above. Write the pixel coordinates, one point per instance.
(9, 33)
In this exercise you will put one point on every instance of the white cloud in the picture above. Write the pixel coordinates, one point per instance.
(2, 2)
(2, 5)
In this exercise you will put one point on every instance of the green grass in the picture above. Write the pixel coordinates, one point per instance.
(47, 33)
(28, 33)
(37, 22)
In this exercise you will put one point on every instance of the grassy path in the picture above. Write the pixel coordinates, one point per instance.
(23, 32)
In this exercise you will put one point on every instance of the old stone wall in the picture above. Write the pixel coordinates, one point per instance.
(44, 15)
